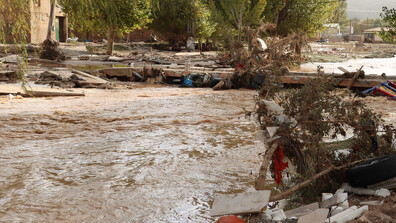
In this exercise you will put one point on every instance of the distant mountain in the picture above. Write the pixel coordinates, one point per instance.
(363, 9)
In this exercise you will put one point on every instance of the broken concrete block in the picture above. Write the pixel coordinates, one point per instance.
(342, 214)
(326, 196)
(319, 215)
(336, 199)
(352, 215)
(382, 192)
(303, 210)
(242, 203)
(374, 203)
(335, 210)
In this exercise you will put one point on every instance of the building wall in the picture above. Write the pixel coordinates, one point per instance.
(40, 13)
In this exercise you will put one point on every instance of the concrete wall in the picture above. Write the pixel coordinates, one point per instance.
(40, 12)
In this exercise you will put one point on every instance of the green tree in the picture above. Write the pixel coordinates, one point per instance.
(110, 17)
(14, 28)
(240, 13)
(389, 24)
(179, 19)
(300, 16)
(341, 15)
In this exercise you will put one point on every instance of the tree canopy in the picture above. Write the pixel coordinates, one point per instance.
(14, 28)
(113, 17)
(300, 16)
(389, 27)
(178, 19)
(239, 13)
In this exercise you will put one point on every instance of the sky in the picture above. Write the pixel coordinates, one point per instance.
(363, 9)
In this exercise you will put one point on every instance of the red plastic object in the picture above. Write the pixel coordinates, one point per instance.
(230, 219)
(279, 164)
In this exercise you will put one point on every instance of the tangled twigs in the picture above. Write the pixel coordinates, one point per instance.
(313, 178)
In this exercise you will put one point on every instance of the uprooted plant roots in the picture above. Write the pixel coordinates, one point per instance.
(49, 50)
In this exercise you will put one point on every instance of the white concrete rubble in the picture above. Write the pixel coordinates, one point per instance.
(319, 215)
(303, 210)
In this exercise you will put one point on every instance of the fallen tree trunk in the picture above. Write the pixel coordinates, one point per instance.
(259, 184)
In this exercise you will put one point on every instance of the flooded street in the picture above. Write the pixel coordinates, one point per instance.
(149, 154)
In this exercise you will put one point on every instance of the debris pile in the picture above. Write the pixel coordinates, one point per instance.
(70, 79)
(259, 206)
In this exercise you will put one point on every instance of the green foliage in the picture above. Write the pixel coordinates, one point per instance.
(300, 16)
(113, 17)
(340, 15)
(389, 29)
(237, 14)
(16, 29)
(178, 19)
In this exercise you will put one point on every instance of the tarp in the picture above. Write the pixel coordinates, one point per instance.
(387, 89)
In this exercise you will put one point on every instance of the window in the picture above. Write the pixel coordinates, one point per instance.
(36, 2)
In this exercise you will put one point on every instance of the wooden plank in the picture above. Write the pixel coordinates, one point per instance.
(50, 94)
(355, 77)
(343, 69)
(94, 79)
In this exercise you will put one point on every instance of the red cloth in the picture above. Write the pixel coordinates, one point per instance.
(239, 67)
(279, 164)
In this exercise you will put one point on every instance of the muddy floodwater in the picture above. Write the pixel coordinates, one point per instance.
(376, 66)
(148, 154)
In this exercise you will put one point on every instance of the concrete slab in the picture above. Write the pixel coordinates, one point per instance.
(303, 210)
(242, 203)
(318, 216)
(342, 214)
(352, 215)
(337, 198)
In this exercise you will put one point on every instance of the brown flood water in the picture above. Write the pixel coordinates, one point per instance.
(149, 154)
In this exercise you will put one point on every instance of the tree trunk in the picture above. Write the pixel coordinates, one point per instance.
(259, 184)
(51, 19)
(110, 39)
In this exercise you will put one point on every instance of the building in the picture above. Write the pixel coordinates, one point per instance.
(331, 29)
(39, 19)
(371, 35)
(37, 16)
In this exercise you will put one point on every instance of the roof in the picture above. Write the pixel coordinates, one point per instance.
(375, 30)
